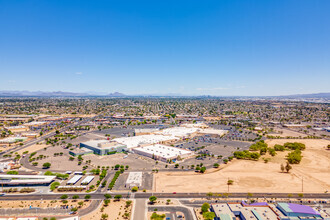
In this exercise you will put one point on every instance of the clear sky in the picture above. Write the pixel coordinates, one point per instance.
(220, 47)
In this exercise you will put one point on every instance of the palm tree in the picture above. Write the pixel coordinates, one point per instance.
(230, 182)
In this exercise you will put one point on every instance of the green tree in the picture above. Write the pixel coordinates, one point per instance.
(75, 197)
(87, 197)
(300, 195)
(208, 215)
(46, 165)
(64, 197)
(229, 183)
(135, 189)
(288, 167)
(282, 168)
(54, 185)
(128, 203)
(205, 207)
(118, 197)
(107, 196)
(104, 216)
(106, 202)
(152, 199)
(155, 216)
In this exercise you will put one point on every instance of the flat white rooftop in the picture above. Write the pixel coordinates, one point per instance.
(12, 139)
(178, 131)
(213, 131)
(163, 151)
(188, 129)
(26, 179)
(254, 212)
(135, 141)
(103, 144)
(15, 127)
(74, 179)
(33, 123)
(87, 180)
(146, 130)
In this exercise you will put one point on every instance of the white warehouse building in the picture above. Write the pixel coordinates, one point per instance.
(162, 152)
(24, 180)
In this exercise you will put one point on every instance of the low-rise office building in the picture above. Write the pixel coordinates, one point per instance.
(103, 147)
(296, 210)
(80, 151)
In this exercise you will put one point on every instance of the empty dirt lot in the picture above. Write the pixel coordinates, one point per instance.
(252, 176)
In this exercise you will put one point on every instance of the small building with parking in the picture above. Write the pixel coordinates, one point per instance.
(103, 147)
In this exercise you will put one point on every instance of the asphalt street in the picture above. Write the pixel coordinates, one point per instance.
(140, 209)
(97, 195)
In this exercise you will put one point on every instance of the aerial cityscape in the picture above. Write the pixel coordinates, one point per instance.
(173, 110)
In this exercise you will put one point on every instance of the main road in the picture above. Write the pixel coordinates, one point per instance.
(98, 195)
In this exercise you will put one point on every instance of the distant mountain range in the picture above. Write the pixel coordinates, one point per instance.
(314, 95)
(53, 94)
(118, 94)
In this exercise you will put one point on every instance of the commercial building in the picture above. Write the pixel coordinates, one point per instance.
(11, 140)
(15, 129)
(132, 142)
(230, 211)
(80, 151)
(36, 124)
(263, 211)
(143, 131)
(6, 166)
(294, 125)
(296, 210)
(22, 180)
(103, 147)
(30, 135)
(188, 130)
(162, 152)
(18, 118)
(134, 179)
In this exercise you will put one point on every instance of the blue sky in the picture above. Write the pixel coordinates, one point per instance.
(220, 47)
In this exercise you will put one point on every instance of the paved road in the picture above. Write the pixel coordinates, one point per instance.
(93, 206)
(142, 195)
(140, 209)
(173, 209)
